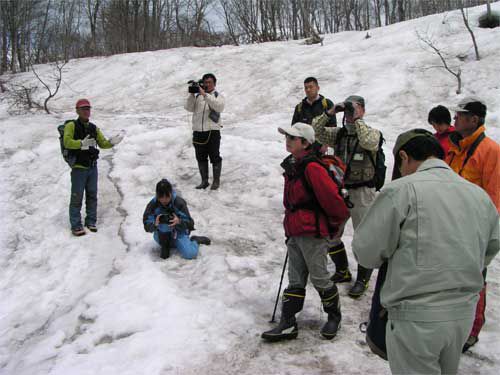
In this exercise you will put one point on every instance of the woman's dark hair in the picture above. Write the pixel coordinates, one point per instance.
(419, 148)
(209, 75)
(163, 188)
(439, 115)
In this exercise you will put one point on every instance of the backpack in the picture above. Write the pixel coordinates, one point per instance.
(336, 170)
(378, 164)
(68, 156)
(377, 321)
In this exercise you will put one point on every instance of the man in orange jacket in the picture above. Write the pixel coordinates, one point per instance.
(475, 157)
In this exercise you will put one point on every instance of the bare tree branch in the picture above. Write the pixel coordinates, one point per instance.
(437, 51)
(466, 22)
(57, 77)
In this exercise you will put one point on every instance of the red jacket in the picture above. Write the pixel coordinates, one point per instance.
(301, 221)
(444, 140)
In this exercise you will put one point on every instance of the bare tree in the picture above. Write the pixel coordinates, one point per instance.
(431, 44)
(92, 10)
(56, 77)
(466, 22)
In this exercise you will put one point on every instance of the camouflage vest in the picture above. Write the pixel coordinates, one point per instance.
(360, 170)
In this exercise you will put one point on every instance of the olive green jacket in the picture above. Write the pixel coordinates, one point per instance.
(369, 138)
(437, 232)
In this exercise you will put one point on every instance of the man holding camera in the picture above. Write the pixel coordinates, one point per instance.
(356, 144)
(167, 216)
(206, 104)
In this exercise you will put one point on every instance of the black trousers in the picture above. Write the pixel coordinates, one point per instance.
(207, 145)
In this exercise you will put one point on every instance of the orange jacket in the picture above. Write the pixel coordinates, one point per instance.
(483, 167)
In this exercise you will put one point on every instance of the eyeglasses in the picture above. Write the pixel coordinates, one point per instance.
(85, 108)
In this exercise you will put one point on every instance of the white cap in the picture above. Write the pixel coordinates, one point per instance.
(299, 129)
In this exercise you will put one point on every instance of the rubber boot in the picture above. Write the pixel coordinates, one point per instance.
(203, 167)
(217, 168)
(287, 329)
(339, 257)
(165, 241)
(361, 284)
(331, 305)
(201, 240)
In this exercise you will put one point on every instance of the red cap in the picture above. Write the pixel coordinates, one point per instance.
(82, 103)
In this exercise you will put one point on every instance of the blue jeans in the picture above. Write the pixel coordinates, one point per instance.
(187, 248)
(83, 181)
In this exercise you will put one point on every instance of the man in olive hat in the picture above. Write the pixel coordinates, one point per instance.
(436, 242)
(356, 144)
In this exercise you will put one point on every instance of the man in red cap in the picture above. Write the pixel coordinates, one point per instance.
(81, 138)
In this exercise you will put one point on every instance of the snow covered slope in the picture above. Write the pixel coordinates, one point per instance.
(106, 304)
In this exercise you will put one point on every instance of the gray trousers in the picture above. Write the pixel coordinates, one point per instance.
(362, 198)
(308, 257)
(426, 347)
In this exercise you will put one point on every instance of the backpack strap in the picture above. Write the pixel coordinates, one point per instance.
(299, 107)
(314, 204)
(324, 103)
(470, 151)
(348, 164)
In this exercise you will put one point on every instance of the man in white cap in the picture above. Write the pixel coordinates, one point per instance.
(314, 210)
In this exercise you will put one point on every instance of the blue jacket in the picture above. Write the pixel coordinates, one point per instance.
(178, 205)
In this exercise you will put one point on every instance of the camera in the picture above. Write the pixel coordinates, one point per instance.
(346, 107)
(167, 218)
(194, 86)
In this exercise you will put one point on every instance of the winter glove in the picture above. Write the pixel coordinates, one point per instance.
(116, 139)
(88, 142)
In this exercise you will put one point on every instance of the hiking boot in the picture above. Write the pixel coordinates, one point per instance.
(292, 303)
(217, 168)
(342, 276)
(287, 329)
(201, 240)
(329, 330)
(78, 232)
(358, 289)
(203, 167)
(92, 228)
(361, 284)
(203, 185)
(331, 305)
(471, 341)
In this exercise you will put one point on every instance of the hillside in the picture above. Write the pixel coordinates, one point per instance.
(106, 304)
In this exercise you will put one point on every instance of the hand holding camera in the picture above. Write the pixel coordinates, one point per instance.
(170, 218)
(195, 86)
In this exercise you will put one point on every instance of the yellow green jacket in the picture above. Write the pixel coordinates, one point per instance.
(75, 144)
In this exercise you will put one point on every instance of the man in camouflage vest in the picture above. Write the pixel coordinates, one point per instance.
(356, 144)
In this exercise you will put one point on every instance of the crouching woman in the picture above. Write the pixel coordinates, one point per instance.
(167, 216)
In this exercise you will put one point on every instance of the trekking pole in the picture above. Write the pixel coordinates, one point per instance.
(279, 289)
